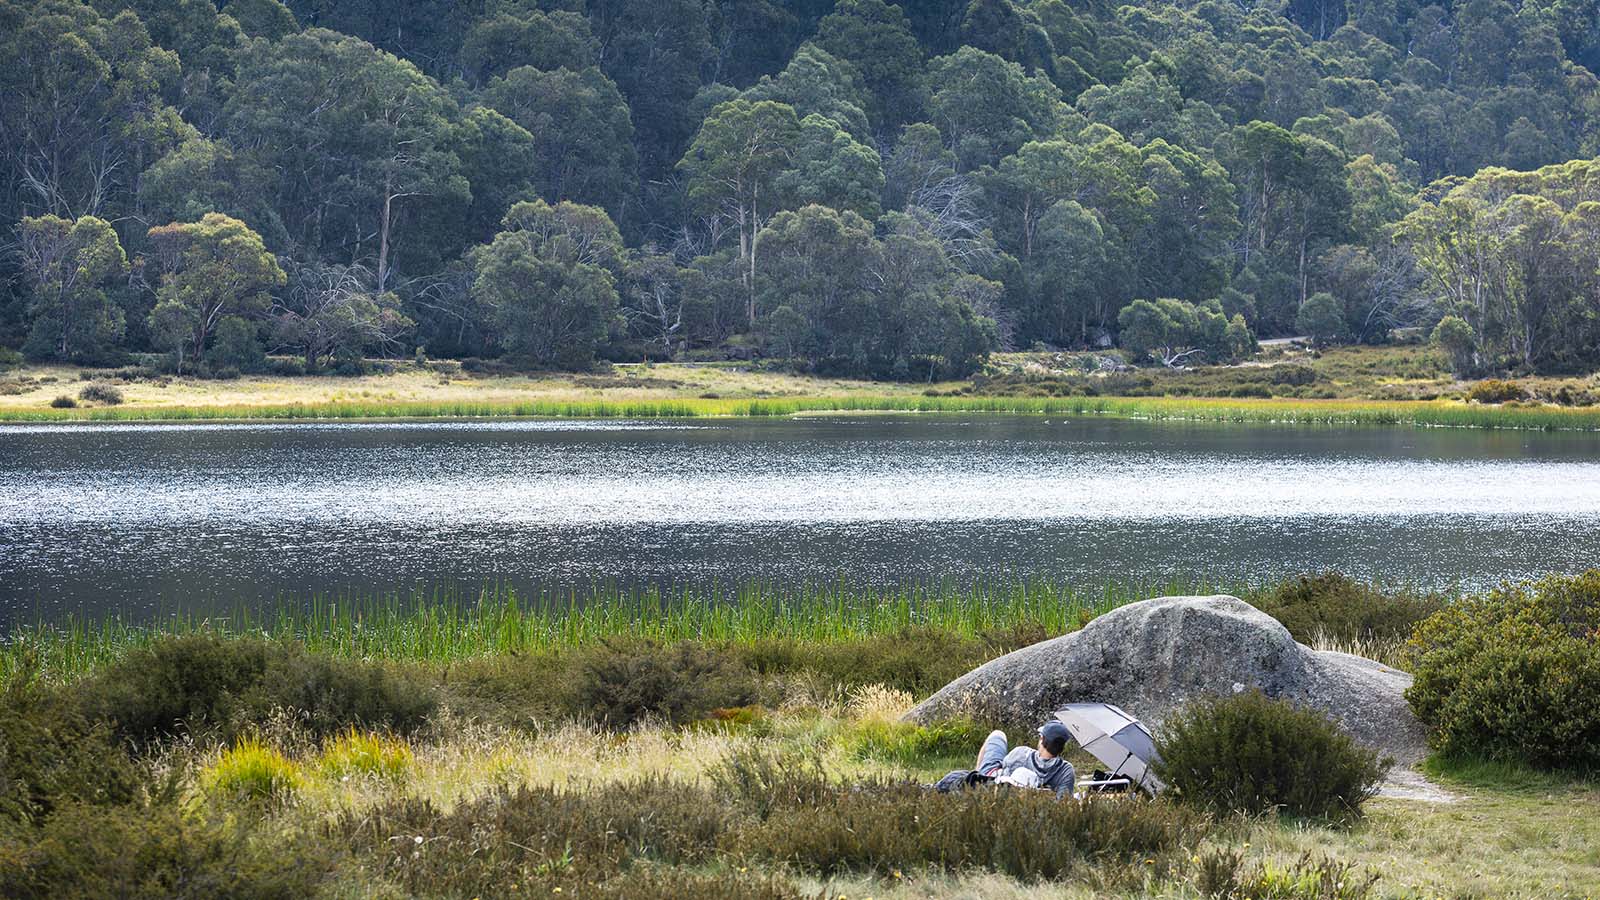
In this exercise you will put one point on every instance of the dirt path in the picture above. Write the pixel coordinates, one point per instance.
(1409, 784)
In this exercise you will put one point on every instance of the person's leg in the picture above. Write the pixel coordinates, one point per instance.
(992, 753)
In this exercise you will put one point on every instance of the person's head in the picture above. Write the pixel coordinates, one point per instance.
(1053, 737)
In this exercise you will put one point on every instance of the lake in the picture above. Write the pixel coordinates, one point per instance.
(140, 519)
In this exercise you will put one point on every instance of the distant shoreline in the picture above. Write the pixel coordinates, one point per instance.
(684, 391)
(1407, 413)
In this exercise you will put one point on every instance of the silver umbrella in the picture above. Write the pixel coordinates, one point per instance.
(1116, 739)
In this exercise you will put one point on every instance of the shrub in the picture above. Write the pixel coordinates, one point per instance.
(619, 683)
(796, 814)
(64, 402)
(102, 393)
(221, 688)
(761, 783)
(365, 753)
(9, 359)
(155, 852)
(1292, 374)
(1252, 754)
(1493, 390)
(1331, 606)
(1514, 675)
(51, 755)
(1029, 835)
(286, 365)
(918, 660)
(334, 694)
(512, 690)
(1566, 395)
(250, 770)
(234, 348)
(549, 837)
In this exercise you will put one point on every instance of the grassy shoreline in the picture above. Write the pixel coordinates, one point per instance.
(1416, 413)
(777, 766)
(443, 626)
(1395, 386)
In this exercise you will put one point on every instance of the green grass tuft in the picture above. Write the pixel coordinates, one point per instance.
(364, 753)
(251, 770)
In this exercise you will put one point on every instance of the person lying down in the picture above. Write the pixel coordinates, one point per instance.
(1042, 767)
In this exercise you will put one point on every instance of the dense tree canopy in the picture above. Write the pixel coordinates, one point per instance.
(881, 188)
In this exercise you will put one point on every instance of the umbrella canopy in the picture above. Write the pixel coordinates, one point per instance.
(1116, 739)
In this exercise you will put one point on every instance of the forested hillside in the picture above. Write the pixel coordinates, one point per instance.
(863, 187)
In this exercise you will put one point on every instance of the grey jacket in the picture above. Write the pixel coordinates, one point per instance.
(1055, 774)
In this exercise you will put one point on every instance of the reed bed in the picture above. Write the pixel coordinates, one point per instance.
(443, 624)
(1433, 413)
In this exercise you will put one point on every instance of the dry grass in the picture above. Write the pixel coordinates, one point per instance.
(1390, 652)
(667, 381)
(1507, 835)
(676, 390)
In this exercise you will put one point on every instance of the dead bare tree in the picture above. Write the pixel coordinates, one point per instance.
(948, 208)
(329, 308)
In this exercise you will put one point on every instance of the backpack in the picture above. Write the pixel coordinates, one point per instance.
(960, 780)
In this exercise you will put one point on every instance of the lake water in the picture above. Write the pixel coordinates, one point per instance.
(141, 518)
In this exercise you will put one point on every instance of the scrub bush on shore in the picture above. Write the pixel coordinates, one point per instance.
(52, 755)
(207, 686)
(157, 851)
(620, 683)
(100, 392)
(1514, 675)
(808, 786)
(542, 838)
(1337, 607)
(1249, 753)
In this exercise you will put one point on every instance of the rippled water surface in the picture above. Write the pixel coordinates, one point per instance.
(131, 518)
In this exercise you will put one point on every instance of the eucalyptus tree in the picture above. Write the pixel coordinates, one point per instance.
(1067, 293)
(512, 34)
(1513, 254)
(653, 299)
(82, 109)
(69, 265)
(831, 168)
(815, 292)
(207, 271)
(986, 107)
(500, 160)
(361, 139)
(817, 83)
(549, 281)
(268, 19)
(329, 310)
(1175, 332)
(582, 136)
(733, 167)
(874, 37)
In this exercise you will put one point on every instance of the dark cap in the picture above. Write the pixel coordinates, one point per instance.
(1054, 736)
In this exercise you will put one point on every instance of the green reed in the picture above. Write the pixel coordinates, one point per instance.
(1434, 413)
(443, 624)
